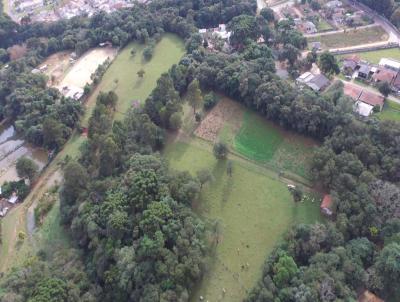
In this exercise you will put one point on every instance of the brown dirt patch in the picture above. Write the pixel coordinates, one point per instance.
(225, 111)
(56, 66)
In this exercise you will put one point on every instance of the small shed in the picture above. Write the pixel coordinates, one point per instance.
(326, 205)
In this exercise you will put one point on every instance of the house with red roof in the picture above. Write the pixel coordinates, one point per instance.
(326, 205)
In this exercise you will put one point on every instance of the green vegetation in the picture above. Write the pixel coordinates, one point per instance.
(390, 112)
(351, 37)
(322, 25)
(375, 56)
(226, 202)
(122, 76)
(238, 207)
(262, 141)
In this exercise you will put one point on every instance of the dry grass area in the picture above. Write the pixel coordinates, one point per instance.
(57, 66)
(80, 72)
(225, 111)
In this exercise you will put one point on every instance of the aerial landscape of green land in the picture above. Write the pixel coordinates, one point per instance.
(186, 151)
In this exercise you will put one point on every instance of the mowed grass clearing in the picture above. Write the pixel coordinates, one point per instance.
(249, 134)
(375, 56)
(352, 37)
(122, 76)
(252, 209)
(390, 112)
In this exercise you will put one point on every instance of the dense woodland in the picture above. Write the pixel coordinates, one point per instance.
(129, 215)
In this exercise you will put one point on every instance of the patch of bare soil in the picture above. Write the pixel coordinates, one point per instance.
(225, 111)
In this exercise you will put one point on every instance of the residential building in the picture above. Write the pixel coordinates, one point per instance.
(390, 64)
(316, 82)
(384, 74)
(364, 70)
(364, 101)
(334, 4)
(367, 296)
(326, 205)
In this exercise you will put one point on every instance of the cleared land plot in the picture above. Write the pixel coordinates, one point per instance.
(375, 56)
(252, 136)
(252, 210)
(122, 76)
(57, 66)
(79, 74)
(352, 37)
(390, 112)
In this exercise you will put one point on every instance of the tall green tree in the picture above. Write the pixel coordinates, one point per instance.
(26, 168)
(194, 95)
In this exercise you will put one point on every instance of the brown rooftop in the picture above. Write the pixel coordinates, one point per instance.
(384, 75)
(367, 296)
(371, 98)
(352, 91)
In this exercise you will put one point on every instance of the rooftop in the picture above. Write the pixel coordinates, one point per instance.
(371, 98)
(384, 75)
(326, 202)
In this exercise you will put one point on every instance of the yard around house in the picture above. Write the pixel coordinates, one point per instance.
(390, 111)
(250, 210)
(122, 76)
(351, 37)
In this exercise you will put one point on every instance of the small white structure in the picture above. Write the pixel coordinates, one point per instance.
(390, 63)
(334, 4)
(363, 109)
(13, 199)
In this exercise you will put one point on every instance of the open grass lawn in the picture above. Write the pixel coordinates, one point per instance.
(390, 112)
(375, 56)
(265, 142)
(351, 37)
(252, 211)
(322, 25)
(122, 76)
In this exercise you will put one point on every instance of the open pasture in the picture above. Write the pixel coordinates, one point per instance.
(248, 211)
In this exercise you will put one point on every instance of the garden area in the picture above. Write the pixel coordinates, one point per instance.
(351, 37)
(251, 200)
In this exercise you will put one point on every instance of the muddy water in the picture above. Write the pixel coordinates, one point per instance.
(12, 148)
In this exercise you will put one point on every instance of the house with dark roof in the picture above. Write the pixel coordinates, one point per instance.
(364, 70)
(316, 82)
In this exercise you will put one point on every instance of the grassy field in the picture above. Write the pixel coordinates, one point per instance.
(375, 56)
(122, 76)
(263, 141)
(390, 112)
(252, 210)
(322, 25)
(351, 37)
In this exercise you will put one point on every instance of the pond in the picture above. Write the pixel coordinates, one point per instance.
(13, 147)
